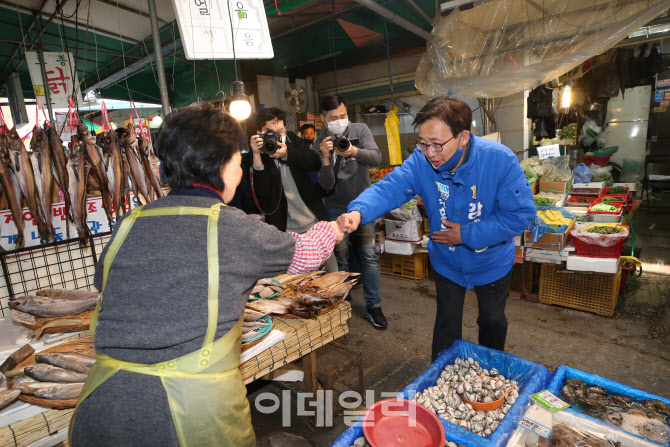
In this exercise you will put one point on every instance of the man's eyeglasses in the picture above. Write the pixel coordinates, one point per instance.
(435, 147)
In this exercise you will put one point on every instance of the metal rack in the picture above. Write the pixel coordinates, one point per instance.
(64, 264)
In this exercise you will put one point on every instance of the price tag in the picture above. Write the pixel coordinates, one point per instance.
(551, 150)
(549, 401)
(535, 427)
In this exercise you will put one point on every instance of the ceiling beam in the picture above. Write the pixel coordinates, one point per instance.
(141, 45)
(33, 22)
(134, 68)
(397, 19)
(315, 22)
(131, 10)
(70, 22)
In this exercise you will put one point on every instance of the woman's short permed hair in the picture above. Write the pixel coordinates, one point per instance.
(454, 112)
(195, 142)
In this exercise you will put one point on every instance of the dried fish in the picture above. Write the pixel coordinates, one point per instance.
(62, 361)
(58, 323)
(51, 307)
(49, 373)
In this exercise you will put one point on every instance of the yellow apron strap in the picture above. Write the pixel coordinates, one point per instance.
(213, 274)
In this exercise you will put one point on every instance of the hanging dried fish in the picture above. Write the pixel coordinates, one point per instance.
(44, 179)
(94, 158)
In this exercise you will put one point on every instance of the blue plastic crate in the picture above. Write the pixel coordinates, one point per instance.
(564, 373)
(531, 377)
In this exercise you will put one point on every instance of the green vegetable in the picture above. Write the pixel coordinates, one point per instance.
(580, 219)
(617, 190)
(604, 207)
(409, 205)
(543, 201)
(608, 200)
(581, 200)
(604, 230)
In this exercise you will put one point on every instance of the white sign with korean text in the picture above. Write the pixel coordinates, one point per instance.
(57, 67)
(95, 218)
(549, 151)
(205, 29)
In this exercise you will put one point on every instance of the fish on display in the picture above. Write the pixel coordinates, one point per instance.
(50, 373)
(145, 151)
(95, 158)
(12, 190)
(253, 315)
(20, 378)
(51, 307)
(8, 396)
(57, 323)
(62, 361)
(23, 169)
(44, 179)
(136, 169)
(68, 294)
(50, 390)
(268, 307)
(84, 359)
(76, 169)
(59, 166)
(114, 162)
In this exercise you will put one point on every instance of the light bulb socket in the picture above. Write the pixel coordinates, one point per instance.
(238, 90)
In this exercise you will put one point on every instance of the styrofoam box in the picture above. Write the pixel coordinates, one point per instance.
(407, 231)
(517, 240)
(599, 185)
(586, 264)
(549, 254)
(399, 248)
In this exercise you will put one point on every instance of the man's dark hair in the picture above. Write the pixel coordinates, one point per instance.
(195, 142)
(331, 102)
(304, 127)
(269, 114)
(454, 112)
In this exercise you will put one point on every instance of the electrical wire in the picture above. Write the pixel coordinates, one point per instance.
(232, 35)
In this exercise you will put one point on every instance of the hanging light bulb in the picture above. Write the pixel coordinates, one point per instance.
(566, 96)
(157, 120)
(239, 106)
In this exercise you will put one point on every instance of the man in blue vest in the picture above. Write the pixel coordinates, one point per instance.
(477, 199)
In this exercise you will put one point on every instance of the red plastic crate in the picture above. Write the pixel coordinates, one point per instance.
(591, 199)
(616, 197)
(613, 213)
(593, 192)
(584, 248)
(605, 191)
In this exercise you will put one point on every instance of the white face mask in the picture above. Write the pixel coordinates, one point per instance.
(338, 126)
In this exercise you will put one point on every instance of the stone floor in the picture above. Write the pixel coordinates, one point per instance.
(631, 347)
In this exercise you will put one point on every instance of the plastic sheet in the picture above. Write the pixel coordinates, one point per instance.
(534, 162)
(531, 377)
(575, 431)
(557, 170)
(582, 173)
(602, 174)
(603, 240)
(531, 176)
(502, 47)
(409, 211)
(538, 227)
(611, 387)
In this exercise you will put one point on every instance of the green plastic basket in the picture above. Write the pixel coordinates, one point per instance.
(605, 151)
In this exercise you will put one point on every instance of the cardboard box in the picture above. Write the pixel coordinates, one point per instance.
(518, 254)
(380, 237)
(545, 256)
(399, 248)
(535, 187)
(586, 264)
(550, 241)
(404, 231)
(555, 187)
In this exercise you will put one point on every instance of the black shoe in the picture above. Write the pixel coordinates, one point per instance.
(377, 318)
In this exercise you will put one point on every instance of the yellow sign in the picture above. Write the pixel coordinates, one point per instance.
(39, 90)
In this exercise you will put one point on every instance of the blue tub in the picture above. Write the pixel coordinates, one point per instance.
(531, 377)
(565, 372)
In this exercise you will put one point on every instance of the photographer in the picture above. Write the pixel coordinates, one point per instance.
(348, 150)
(280, 184)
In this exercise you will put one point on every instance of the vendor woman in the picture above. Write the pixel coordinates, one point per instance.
(175, 278)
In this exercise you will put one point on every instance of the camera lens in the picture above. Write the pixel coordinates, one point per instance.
(342, 143)
(269, 147)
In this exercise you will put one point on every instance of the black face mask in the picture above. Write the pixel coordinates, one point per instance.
(308, 141)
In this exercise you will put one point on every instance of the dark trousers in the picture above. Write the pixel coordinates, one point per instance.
(491, 299)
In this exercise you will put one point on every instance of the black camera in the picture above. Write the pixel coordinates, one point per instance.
(341, 143)
(270, 139)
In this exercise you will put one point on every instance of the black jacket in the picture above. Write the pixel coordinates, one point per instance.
(267, 185)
